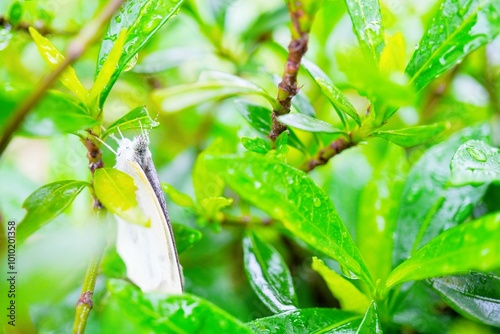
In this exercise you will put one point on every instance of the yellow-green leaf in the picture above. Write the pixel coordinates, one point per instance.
(53, 57)
(349, 297)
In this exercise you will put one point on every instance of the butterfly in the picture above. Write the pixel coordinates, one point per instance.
(149, 253)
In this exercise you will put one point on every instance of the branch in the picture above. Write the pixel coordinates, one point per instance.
(42, 28)
(287, 88)
(325, 154)
(75, 49)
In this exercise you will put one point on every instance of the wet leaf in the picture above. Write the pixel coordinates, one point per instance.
(458, 28)
(257, 145)
(116, 190)
(268, 275)
(141, 19)
(309, 320)
(428, 202)
(413, 136)
(349, 297)
(371, 321)
(475, 295)
(137, 118)
(46, 203)
(475, 163)
(471, 246)
(172, 314)
(185, 237)
(305, 210)
(367, 24)
(307, 123)
(213, 205)
(334, 95)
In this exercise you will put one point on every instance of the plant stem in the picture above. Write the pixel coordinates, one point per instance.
(288, 88)
(328, 152)
(75, 50)
(85, 303)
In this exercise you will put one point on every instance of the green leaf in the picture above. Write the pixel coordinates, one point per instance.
(475, 295)
(213, 205)
(177, 197)
(371, 321)
(257, 145)
(141, 19)
(349, 297)
(260, 119)
(377, 215)
(475, 163)
(211, 86)
(458, 28)
(116, 191)
(268, 275)
(413, 136)
(307, 123)
(367, 24)
(257, 116)
(205, 183)
(185, 237)
(332, 93)
(54, 58)
(172, 314)
(46, 203)
(471, 246)
(305, 210)
(108, 68)
(162, 60)
(309, 320)
(15, 13)
(56, 113)
(137, 118)
(427, 201)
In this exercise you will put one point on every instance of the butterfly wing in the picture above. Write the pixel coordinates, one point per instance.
(148, 253)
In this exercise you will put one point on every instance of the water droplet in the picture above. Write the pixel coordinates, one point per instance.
(476, 154)
(316, 202)
(347, 273)
(131, 63)
(118, 19)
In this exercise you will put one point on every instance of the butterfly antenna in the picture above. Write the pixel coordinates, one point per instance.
(104, 143)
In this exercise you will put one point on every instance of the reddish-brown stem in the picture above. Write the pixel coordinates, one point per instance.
(288, 88)
(328, 152)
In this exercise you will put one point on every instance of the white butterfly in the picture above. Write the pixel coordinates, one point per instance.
(149, 254)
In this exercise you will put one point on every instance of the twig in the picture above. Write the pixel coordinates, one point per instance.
(325, 154)
(85, 303)
(39, 26)
(76, 48)
(288, 88)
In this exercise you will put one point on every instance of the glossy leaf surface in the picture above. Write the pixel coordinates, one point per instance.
(137, 118)
(307, 123)
(46, 203)
(268, 275)
(304, 209)
(172, 314)
(367, 24)
(311, 320)
(459, 27)
(371, 321)
(476, 295)
(413, 136)
(257, 145)
(428, 202)
(475, 162)
(185, 237)
(471, 246)
(141, 19)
